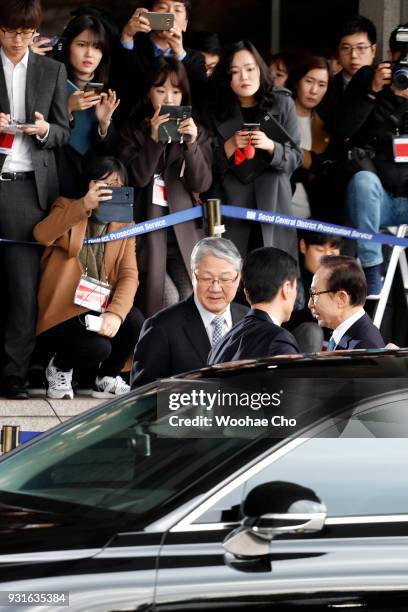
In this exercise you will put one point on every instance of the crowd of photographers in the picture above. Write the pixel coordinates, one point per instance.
(120, 121)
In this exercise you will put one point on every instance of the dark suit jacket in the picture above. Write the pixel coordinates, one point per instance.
(255, 336)
(46, 93)
(174, 341)
(362, 335)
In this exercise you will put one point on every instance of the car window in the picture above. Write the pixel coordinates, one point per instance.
(357, 466)
(355, 463)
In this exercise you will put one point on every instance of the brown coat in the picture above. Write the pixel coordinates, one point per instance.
(320, 140)
(143, 158)
(65, 228)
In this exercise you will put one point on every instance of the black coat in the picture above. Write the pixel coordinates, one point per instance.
(174, 341)
(374, 121)
(270, 190)
(362, 335)
(255, 336)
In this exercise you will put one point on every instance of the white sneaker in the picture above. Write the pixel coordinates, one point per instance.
(108, 386)
(59, 382)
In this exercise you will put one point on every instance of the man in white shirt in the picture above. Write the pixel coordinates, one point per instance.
(337, 297)
(180, 337)
(32, 91)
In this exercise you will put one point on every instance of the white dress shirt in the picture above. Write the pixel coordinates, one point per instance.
(19, 160)
(339, 332)
(207, 318)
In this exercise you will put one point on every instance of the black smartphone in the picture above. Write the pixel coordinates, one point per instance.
(169, 131)
(176, 112)
(159, 21)
(119, 209)
(92, 86)
(250, 127)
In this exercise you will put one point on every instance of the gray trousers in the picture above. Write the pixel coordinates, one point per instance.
(19, 213)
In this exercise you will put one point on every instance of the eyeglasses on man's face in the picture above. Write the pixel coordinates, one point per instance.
(314, 295)
(223, 281)
(24, 34)
(359, 49)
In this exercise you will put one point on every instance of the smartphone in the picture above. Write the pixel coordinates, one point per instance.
(176, 112)
(95, 87)
(119, 208)
(250, 127)
(160, 21)
(50, 43)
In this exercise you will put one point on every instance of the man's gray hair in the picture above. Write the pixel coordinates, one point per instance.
(217, 247)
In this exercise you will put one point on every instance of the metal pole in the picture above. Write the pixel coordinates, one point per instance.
(10, 436)
(212, 214)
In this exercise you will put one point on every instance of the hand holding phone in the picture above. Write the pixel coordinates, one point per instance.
(94, 87)
(160, 22)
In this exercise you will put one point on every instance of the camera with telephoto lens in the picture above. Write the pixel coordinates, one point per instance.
(400, 67)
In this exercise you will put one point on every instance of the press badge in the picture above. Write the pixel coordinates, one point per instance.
(400, 146)
(159, 191)
(6, 143)
(92, 294)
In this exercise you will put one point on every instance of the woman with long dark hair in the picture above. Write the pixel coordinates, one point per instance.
(251, 169)
(310, 84)
(170, 173)
(85, 53)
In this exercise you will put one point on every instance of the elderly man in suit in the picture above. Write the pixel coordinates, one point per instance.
(337, 297)
(180, 337)
(269, 278)
(32, 91)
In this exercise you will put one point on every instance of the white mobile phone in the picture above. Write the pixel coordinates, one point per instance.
(93, 323)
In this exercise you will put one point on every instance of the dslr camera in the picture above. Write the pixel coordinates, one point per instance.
(400, 67)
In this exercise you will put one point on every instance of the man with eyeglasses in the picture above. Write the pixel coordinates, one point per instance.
(376, 118)
(179, 338)
(337, 297)
(269, 276)
(32, 92)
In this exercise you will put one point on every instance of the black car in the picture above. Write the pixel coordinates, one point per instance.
(123, 511)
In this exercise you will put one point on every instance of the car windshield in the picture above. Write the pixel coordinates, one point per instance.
(115, 457)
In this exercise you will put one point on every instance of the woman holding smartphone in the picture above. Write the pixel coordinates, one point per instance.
(170, 172)
(76, 280)
(85, 53)
(252, 170)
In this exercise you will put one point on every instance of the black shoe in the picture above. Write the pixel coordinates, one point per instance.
(13, 388)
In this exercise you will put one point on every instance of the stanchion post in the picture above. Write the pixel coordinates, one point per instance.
(10, 437)
(212, 215)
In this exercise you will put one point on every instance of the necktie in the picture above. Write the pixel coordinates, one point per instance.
(217, 334)
(332, 344)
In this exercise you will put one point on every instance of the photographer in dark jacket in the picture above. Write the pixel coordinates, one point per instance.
(376, 112)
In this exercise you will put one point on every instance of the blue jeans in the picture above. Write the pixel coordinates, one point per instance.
(370, 208)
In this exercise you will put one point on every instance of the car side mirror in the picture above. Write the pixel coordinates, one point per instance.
(271, 509)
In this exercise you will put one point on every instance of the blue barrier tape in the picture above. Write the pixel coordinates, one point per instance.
(246, 214)
(264, 216)
(150, 226)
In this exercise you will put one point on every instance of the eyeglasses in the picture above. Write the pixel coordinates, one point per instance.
(315, 294)
(209, 281)
(348, 49)
(25, 34)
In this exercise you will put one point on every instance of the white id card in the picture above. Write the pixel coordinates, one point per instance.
(159, 191)
(400, 145)
(92, 294)
(6, 143)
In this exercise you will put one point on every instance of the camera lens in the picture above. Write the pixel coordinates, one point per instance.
(400, 77)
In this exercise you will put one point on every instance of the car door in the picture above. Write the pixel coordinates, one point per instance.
(357, 465)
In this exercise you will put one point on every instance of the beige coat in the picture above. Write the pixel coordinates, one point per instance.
(65, 229)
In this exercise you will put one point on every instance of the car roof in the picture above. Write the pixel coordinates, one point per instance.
(384, 360)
